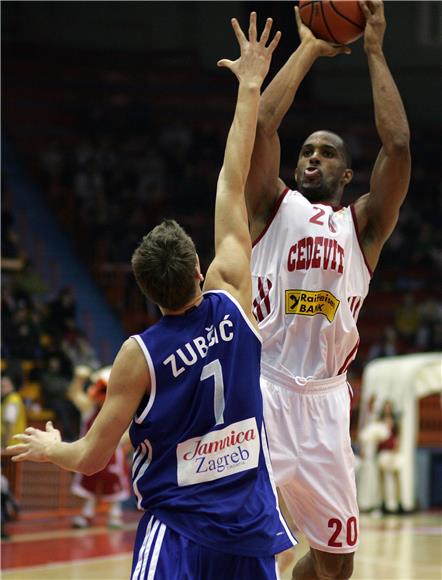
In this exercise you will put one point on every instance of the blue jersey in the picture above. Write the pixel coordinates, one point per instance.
(201, 463)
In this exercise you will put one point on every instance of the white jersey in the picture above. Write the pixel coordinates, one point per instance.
(310, 278)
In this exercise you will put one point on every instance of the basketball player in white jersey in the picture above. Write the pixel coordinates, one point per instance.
(311, 265)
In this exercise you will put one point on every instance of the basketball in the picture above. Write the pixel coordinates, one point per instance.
(338, 21)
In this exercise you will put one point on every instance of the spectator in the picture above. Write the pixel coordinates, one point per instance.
(13, 422)
(24, 333)
(78, 349)
(54, 390)
(407, 319)
(390, 460)
(62, 310)
(111, 484)
(13, 411)
(9, 506)
(386, 346)
(429, 334)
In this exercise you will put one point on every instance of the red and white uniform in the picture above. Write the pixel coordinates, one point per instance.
(111, 483)
(309, 281)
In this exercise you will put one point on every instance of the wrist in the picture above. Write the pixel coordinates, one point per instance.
(374, 50)
(311, 47)
(251, 85)
(52, 450)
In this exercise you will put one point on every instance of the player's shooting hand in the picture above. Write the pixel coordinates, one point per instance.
(34, 444)
(375, 24)
(321, 47)
(254, 62)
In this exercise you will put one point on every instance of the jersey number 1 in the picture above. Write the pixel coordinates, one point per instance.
(215, 370)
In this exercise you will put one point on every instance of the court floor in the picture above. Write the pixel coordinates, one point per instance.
(406, 548)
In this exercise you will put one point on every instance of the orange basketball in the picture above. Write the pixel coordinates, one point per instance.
(338, 21)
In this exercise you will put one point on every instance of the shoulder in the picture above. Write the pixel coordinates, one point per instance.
(130, 359)
(233, 306)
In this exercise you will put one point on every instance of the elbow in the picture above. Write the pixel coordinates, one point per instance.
(400, 146)
(265, 129)
(90, 469)
(401, 141)
(266, 120)
(91, 465)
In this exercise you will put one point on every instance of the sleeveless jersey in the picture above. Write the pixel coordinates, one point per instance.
(309, 281)
(201, 461)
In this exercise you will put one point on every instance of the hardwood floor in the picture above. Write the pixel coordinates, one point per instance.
(405, 548)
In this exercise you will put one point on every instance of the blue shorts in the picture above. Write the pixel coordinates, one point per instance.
(162, 554)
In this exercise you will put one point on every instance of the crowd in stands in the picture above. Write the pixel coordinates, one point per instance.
(40, 340)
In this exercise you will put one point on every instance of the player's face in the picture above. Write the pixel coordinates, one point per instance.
(321, 173)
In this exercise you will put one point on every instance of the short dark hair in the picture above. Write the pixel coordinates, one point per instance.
(345, 150)
(164, 265)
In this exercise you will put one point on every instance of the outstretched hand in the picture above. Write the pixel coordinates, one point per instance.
(322, 47)
(254, 62)
(34, 444)
(375, 24)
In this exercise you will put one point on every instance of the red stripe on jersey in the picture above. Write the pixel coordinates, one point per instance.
(349, 358)
(356, 308)
(258, 311)
(352, 301)
(264, 295)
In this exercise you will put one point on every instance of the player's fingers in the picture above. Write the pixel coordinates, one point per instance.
(21, 437)
(381, 6)
(374, 5)
(10, 450)
(363, 6)
(49, 426)
(366, 8)
(298, 17)
(238, 32)
(16, 449)
(30, 430)
(224, 62)
(265, 33)
(252, 27)
(20, 457)
(275, 41)
(342, 49)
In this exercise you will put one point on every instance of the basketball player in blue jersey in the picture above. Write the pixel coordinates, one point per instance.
(189, 387)
(311, 266)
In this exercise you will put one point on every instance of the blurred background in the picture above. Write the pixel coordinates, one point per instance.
(115, 117)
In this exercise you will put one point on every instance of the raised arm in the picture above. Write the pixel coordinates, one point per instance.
(378, 211)
(263, 184)
(230, 268)
(128, 383)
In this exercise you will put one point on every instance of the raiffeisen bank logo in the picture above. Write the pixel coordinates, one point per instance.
(219, 453)
(310, 303)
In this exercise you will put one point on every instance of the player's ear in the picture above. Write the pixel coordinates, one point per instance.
(347, 177)
(198, 273)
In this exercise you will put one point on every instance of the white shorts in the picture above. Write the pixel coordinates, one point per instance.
(308, 428)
